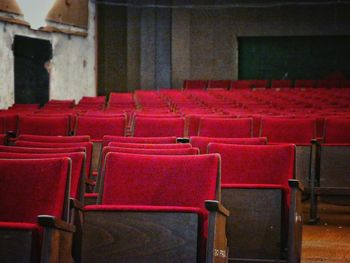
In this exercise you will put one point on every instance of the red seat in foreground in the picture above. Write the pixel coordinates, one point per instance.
(143, 205)
(264, 201)
(41, 190)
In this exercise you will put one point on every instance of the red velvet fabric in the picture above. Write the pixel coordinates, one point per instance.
(154, 140)
(285, 83)
(151, 145)
(86, 145)
(30, 188)
(195, 84)
(337, 130)
(288, 130)
(2, 139)
(225, 128)
(57, 125)
(160, 180)
(257, 165)
(219, 84)
(180, 151)
(2, 125)
(300, 83)
(15, 149)
(97, 127)
(158, 127)
(59, 139)
(192, 122)
(77, 170)
(202, 142)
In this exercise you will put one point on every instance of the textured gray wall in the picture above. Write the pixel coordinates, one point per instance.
(165, 46)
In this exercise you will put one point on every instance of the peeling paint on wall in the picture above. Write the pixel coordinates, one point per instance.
(72, 66)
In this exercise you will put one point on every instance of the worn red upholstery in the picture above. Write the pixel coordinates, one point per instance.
(219, 84)
(86, 145)
(15, 149)
(179, 151)
(39, 125)
(59, 139)
(287, 130)
(30, 188)
(2, 139)
(158, 127)
(337, 130)
(225, 127)
(77, 169)
(97, 127)
(285, 83)
(202, 142)
(195, 84)
(154, 140)
(151, 145)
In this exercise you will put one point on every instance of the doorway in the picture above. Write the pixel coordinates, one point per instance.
(32, 79)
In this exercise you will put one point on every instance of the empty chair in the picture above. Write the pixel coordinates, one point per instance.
(15, 149)
(303, 83)
(2, 139)
(219, 84)
(263, 201)
(151, 145)
(202, 142)
(330, 178)
(225, 127)
(158, 127)
(96, 128)
(140, 208)
(34, 210)
(154, 140)
(59, 139)
(39, 125)
(297, 131)
(86, 145)
(283, 83)
(192, 122)
(327, 83)
(241, 84)
(195, 84)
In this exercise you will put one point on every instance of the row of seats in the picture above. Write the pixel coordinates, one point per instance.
(263, 84)
(150, 186)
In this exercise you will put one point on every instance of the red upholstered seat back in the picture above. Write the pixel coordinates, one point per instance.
(97, 127)
(159, 180)
(255, 164)
(40, 125)
(337, 130)
(179, 151)
(2, 139)
(86, 145)
(16, 149)
(225, 127)
(285, 83)
(287, 130)
(202, 142)
(219, 84)
(154, 140)
(151, 145)
(195, 84)
(161, 127)
(43, 138)
(77, 169)
(30, 188)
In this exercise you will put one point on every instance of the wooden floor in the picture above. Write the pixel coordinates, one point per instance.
(328, 241)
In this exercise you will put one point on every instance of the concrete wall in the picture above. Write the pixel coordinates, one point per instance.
(167, 45)
(72, 66)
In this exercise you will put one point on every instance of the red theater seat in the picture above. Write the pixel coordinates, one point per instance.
(154, 195)
(285, 83)
(57, 139)
(158, 127)
(195, 84)
(33, 223)
(256, 187)
(330, 177)
(153, 140)
(225, 127)
(219, 84)
(202, 142)
(2, 139)
(40, 125)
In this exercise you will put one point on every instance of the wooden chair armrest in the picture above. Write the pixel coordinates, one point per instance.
(53, 222)
(76, 204)
(216, 206)
(293, 183)
(217, 249)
